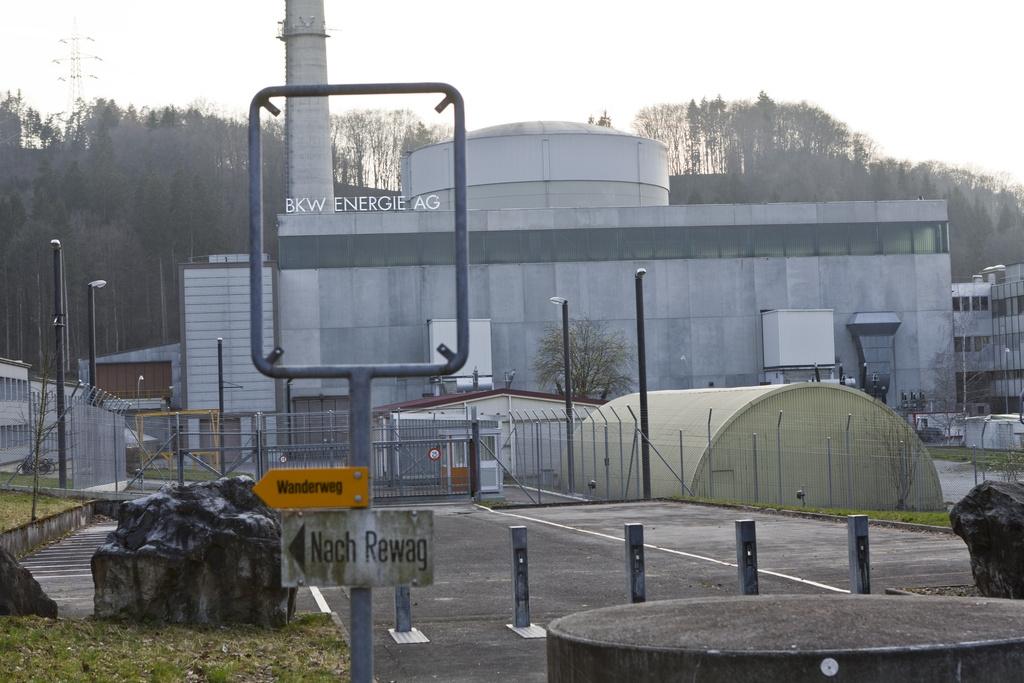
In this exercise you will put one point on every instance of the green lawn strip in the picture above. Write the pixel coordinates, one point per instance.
(954, 453)
(16, 507)
(34, 649)
(909, 516)
(45, 482)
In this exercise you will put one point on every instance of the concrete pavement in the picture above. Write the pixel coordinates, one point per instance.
(63, 569)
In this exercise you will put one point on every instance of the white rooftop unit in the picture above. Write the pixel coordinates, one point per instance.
(798, 338)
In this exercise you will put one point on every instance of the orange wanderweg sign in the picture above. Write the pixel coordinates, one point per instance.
(318, 487)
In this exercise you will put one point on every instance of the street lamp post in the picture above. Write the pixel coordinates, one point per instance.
(138, 391)
(641, 354)
(564, 303)
(220, 375)
(1006, 380)
(93, 286)
(58, 329)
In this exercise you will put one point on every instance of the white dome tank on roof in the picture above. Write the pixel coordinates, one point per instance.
(544, 164)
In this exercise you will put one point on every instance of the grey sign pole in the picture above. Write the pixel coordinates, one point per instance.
(746, 556)
(860, 557)
(635, 575)
(359, 376)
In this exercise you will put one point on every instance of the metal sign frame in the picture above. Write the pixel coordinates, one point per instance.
(268, 365)
(359, 376)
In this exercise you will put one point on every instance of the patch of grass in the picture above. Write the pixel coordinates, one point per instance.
(16, 507)
(33, 649)
(954, 453)
(45, 482)
(909, 516)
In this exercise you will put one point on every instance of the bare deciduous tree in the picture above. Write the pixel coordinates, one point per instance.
(369, 144)
(597, 357)
(896, 446)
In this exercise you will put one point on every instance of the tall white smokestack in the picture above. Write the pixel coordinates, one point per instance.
(307, 120)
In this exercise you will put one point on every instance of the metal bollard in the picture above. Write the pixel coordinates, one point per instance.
(520, 577)
(403, 610)
(860, 558)
(521, 587)
(746, 556)
(635, 575)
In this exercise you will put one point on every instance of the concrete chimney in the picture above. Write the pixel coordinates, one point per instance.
(307, 120)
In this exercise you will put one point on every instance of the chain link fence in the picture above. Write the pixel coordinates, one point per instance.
(855, 467)
(95, 439)
(411, 457)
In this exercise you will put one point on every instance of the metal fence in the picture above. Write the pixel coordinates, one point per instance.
(95, 439)
(800, 463)
(961, 469)
(410, 457)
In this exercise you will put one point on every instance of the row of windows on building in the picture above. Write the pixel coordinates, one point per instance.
(961, 344)
(1013, 305)
(12, 389)
(970, 303)
(14, 436)
(614, 244)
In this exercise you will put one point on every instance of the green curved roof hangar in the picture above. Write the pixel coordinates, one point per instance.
(821, 445)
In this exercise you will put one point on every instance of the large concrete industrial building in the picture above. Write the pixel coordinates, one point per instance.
(736, 295)
(572, 210)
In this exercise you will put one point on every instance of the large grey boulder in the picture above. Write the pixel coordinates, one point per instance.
(990, 519)
(20, 594)
(199, 554)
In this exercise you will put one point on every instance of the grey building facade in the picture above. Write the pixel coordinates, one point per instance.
(358, 287)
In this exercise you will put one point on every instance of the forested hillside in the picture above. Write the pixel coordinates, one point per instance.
(766, 151)
(132, 193)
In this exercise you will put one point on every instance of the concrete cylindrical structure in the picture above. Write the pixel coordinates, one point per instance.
(543, 164)
(307, 119)
(791, 638)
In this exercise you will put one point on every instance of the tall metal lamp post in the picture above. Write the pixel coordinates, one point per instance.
(138, 391)
(641, 354)
(564, 303)
(93, 286)
(1006, 380)
(220, 376)
(58, 329)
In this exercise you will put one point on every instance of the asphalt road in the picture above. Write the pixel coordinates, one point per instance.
(576, 562)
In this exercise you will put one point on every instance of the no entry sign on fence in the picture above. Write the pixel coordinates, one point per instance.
(357, 548)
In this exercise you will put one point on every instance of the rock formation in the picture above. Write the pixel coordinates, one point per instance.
(20, 594)
(990, 519)
(205, 553)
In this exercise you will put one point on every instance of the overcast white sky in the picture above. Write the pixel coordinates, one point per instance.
(926, 80)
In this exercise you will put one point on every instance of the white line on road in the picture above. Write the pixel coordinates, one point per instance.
(668, 550)
(320, 602)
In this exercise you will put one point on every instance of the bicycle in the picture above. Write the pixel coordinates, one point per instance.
(29, 465)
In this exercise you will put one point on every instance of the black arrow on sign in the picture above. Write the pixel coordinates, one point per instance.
(298, 547)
